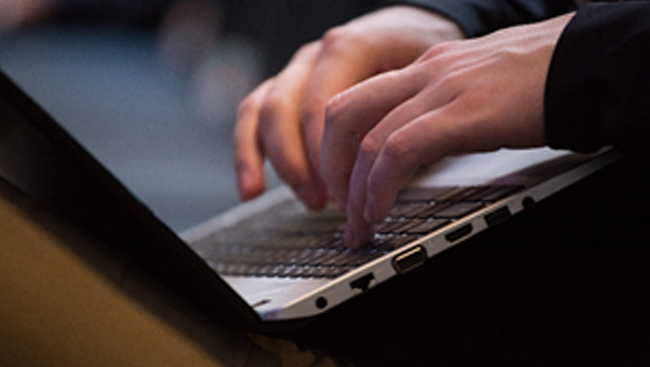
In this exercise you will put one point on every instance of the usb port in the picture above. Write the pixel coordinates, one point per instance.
(497, 216)
(410, 259)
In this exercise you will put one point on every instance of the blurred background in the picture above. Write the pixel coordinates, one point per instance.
(151, 87)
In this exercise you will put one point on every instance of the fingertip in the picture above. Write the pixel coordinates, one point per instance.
(356, 237)
(350, 239)
(315, 198)
(249, 185)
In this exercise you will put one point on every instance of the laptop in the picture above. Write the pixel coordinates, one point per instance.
(269, 265)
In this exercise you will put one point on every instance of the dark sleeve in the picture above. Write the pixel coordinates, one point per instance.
(598, 87)
(478, 17)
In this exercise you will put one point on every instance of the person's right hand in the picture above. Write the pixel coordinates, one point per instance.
(460, 97)
(283, 119)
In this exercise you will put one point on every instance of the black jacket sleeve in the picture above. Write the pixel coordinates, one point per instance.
(479, 17)
(598, 87)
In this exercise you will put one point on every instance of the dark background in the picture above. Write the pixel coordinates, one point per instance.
(151, 87)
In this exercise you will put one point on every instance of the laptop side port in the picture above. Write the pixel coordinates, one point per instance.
(410, 259)
(362, 284)
(459, 233)
(497, 216)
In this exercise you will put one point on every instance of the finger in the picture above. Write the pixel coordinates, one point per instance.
(248, 153)
(337, 67)
(424, 140)
(333, 72)
(350, 115)
(340, 65)
(280, 129)
(359, 228)
(358, 231)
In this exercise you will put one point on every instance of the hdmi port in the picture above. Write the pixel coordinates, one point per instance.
(461, 232)
(410, 259)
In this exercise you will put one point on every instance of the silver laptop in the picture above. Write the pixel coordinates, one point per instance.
(289, 263)
(269, 264)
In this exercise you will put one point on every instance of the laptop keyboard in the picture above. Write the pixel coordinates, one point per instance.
(290, 243)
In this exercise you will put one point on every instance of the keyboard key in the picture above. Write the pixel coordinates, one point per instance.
(427, 226)
(500, 192)
(423, 194)
(458, 210)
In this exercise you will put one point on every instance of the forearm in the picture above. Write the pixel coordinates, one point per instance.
(598, 87)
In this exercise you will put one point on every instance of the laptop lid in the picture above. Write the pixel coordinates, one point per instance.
(42, 161)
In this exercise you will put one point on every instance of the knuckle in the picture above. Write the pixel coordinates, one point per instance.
(342, 40)
(397, 148)
(247, 105)
(334, 37)
(332, 114)
(439, 49)
(252, 101)
(370, 146)
(310, 114)
(333, 107)
(433, 52)
(273, 107)
(306, 49)
(450, 83)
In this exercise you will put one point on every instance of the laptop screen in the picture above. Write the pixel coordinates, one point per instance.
(45, 163)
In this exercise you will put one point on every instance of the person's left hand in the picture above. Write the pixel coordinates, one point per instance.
(282, 120)
(459, 97)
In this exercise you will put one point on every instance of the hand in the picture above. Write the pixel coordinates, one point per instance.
(282, 119)
(459, 97)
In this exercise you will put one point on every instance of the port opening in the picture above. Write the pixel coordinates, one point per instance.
(528, 202)
(459, 233)
(363, 284)
(321, 303)
(497, 216)
(410, 259)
